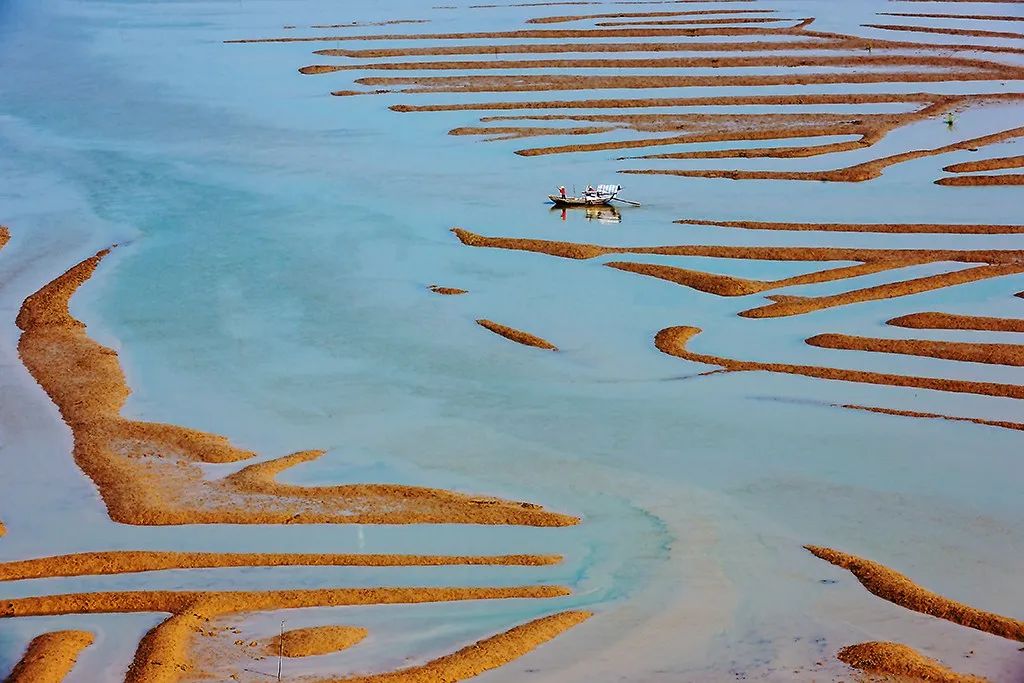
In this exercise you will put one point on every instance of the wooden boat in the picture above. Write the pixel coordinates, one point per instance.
(602, 195)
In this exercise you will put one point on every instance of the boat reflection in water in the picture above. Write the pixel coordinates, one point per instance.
(601, 214)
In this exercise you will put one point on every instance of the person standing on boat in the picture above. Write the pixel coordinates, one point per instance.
(561, 190)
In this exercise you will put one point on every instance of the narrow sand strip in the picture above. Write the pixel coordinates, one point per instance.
(967, 352)
(947, 321)
(133, 561)
(517, 336)
(50, 657)
(986, 164)
(447, 291)
(1017, 426)
(982, 180)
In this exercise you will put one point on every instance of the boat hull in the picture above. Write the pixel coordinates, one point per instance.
(579, 201)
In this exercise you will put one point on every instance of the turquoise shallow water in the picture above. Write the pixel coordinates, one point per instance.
(270, 286)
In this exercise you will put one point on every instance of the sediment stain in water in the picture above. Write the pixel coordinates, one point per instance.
(147, 472)
(50, 657)
(896, 659)
(898, 589)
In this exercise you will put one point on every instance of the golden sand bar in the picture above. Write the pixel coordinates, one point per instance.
(896, 659)
(316, 640)
(132, 561)
(147, 473)
(673, 340)
(947, 321)
(632, 15)
(898, 589)
(968, 352)
(50, 657)
(517, 336)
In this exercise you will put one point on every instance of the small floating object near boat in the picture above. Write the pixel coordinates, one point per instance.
(602, 195)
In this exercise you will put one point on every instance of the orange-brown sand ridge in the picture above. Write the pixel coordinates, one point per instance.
(1001, 263)
(5, 236)
(899, 228)
(132, 561)
(896, 659)
(517, 336)
(315, 640)
(968, 65)
(147, 473)
(447, 291)
(947, 321)
(986, 164)
(50, 657)
(968, 352)
(898, 589)
(163, 655)
(982, 180)
(673, 341)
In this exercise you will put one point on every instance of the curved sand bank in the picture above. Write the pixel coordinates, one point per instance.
(947, 321)
(896, 659)
(969, 352)
(147, 472)
(898, 589)
(977, 33)
(315, 640)
(50, 657)
(133, 561)
(673, 341)
(518, 336)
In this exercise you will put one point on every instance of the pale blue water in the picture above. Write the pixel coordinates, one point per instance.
(270, 286)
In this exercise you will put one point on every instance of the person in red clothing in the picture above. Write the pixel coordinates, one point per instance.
(561, 191)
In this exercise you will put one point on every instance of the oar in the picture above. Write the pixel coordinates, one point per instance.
(626, 201)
